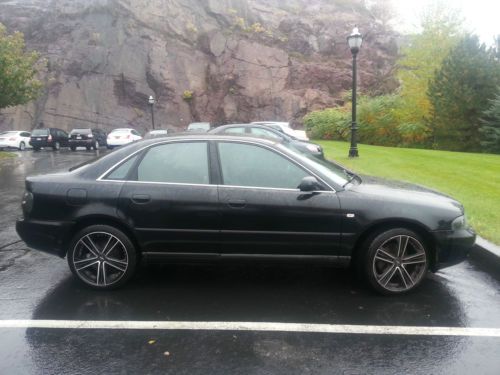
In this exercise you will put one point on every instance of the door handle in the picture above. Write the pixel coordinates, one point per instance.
(141, 198)
(236, 203)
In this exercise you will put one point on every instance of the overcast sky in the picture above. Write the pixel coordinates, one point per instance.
(481, 16)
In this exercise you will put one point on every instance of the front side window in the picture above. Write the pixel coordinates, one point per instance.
(254, 166)
(180, 162)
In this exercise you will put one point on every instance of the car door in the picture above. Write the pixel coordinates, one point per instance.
(169, 201)
(263, 212)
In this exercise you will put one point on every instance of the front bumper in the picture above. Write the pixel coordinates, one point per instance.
(46, 236)
(453, 247)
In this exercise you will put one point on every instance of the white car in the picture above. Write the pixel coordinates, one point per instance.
(121, 137)
(285, 128)
(15, 139)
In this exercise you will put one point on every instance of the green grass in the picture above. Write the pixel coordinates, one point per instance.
(472, 179)
(5, 155)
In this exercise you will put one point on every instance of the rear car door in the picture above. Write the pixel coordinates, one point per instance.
(169, 201)
(263, 211)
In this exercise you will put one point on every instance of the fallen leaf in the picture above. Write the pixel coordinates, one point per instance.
(166, 354)
(151, 342)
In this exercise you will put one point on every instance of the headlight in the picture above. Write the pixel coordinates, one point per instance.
(313, 148)
(459, 223)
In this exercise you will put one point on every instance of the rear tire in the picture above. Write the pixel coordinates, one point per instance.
(394, 261)
(22, 146)
(88, 148)
(109, 147)
(102, 257)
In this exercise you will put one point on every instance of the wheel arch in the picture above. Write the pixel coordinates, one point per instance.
(87, 221)
(382, 226)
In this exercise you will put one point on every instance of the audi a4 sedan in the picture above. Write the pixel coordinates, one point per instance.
(208, 197)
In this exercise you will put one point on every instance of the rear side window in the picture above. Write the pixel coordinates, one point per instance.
(180, 162)
(121, 172)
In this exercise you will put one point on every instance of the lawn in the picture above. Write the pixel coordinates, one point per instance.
(4, 155)
(472, 179)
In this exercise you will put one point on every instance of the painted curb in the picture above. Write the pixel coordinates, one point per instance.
(486, 255)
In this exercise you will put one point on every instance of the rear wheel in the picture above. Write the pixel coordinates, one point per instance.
(22, 146)
(88, 148)
(395, 261)
(109, 147)
(102, 257)
(73, 148)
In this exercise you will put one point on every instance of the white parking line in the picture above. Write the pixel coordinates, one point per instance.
(253, 326)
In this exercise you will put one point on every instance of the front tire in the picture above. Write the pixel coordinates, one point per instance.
(395, 261)
(22, 146)
(102, 257)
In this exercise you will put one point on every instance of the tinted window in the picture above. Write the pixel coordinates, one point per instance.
(38, 132)
(135, 133)
(175, 162)
(259, 132)
(249, 165)
(121, 172)
(235, 131)
(25, 134)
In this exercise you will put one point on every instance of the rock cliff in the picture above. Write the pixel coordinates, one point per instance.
(203, 60)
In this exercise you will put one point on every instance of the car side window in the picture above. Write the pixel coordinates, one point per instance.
(121, 172)
(25, 134)
(179, 162)
(259, 132)
(254, 166)
(235, 131)
(134, 132)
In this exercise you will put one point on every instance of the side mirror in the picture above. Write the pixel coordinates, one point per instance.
(309, 183)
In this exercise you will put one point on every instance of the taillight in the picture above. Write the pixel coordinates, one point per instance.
(49, 138)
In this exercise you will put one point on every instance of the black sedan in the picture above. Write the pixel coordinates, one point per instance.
(209, 197)
(264, 131)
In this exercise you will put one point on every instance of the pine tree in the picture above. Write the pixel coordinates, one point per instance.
(459, 94)
(490, 128)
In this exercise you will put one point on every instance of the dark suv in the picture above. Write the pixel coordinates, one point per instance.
(48, 137)
(88, 138)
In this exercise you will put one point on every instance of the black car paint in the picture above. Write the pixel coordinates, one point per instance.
(56, 135)
(189, 222)
(81, 139)
(286, 139)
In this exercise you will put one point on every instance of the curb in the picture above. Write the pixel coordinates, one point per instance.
(486, 255)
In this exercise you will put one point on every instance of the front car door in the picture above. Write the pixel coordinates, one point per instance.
(169, 201)
(263, 211)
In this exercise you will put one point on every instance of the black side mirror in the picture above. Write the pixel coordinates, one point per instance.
(309, 183)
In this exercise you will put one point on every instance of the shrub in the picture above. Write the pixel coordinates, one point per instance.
(331, 123)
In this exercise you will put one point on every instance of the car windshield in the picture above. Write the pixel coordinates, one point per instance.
(80, 131)
(37, 132)
(336, 173)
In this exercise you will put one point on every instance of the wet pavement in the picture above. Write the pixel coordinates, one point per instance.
(34, 285)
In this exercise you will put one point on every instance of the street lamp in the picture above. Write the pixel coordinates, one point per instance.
(354, 40)
(152, 104)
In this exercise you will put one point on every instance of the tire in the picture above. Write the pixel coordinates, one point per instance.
(72, 148)
(88, 148)
(56, 146)
(111, 266)
(109, 147)
(22, 146)
(394, 261)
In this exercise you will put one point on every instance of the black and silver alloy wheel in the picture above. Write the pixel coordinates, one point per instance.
(397, 261)
(102, 257)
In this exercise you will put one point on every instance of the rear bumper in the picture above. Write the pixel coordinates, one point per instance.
(41, 143)
(81, 142)
(46, 236)
(453, 247)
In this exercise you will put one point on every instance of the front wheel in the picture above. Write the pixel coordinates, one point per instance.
(102, 257)
(395, 261)
(22, 146)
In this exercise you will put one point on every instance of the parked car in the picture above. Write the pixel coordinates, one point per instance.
(15, 139)
(88, 138)
(156, 133)
(199, 127)
(285, 128)
(121, 137)
(210, 197)
(48, 137)
(264, 131)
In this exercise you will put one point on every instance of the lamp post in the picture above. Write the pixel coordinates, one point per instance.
(152, 104)
(354, 40)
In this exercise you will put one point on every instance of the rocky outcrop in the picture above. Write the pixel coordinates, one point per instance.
(213, 60)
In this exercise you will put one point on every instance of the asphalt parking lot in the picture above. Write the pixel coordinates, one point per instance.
(143, 336)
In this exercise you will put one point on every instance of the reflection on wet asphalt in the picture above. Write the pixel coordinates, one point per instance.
(34, 285)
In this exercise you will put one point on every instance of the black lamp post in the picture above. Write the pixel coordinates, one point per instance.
(354, 40)
(152, 104)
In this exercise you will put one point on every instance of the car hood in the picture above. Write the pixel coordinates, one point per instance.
(405, 193)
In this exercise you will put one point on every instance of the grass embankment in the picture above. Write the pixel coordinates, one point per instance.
(472, 179)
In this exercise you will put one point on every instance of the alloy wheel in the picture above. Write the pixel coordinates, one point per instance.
(22, 146)
(100, 259)
(399, 263)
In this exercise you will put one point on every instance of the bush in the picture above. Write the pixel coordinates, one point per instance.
(331, 123)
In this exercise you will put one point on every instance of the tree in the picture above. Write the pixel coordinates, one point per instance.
(18, 83)
(490, 128)
(459, 94)
(422, 55)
